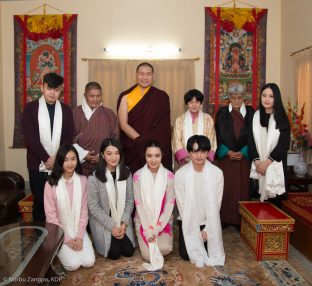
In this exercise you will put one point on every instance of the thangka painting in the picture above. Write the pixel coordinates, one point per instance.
(43, 44)
(235, 51)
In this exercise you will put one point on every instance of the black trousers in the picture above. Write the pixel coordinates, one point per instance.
(37, 181)
(182, 248)
(120, 247)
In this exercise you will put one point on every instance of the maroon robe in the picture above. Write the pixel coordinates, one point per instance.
(35, 151)
(89, 134)
(232, 131)
(150, 117)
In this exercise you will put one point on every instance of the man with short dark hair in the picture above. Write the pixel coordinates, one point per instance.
(199, 188)
(93, 123)
(47, 124)
(144, 115)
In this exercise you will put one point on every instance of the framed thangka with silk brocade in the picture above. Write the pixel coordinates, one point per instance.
(42, 44)
(235, 51)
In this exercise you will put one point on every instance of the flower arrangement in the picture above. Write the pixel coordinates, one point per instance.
(301, 136)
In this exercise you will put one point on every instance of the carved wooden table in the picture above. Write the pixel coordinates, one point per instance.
(265, 229)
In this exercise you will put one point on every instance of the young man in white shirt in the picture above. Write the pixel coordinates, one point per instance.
(199, 189)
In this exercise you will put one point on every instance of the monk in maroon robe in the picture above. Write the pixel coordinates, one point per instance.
(93, 123)
(144, 115)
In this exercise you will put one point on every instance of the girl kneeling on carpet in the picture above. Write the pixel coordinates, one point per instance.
(154, 201)
(65, 204)
(110, 202)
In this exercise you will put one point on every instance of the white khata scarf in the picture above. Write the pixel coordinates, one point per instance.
(188, 125)
(69, 213)
(242, 109)
(82, 153)
(191, 225)
(272, 183)
(116, 195)
(152, 194)
(87, 110)
(50, 145)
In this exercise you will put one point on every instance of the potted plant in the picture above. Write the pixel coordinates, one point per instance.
(300, 137)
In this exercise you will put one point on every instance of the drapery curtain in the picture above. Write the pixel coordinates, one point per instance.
(175, 77)
(303, 90)
(303, 83)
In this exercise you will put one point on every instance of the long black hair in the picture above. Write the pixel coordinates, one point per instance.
(58, 169)
(100, 171)
(279, 113)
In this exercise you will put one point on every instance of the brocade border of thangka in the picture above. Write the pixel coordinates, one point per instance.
(35, 54)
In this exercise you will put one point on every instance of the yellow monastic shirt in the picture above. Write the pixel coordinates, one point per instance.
(135, 96)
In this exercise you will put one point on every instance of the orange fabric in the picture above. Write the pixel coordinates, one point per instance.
(239, 17)
(135, 96)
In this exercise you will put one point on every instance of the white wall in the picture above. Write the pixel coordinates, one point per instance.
(2, 149)
(296, 35)
(136, 22)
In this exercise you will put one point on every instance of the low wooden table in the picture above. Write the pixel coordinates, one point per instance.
(298, 183)
(265, 229)
(25, 207)
(27, 251)
(299, 206)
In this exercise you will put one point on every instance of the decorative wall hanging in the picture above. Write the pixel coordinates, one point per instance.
(235, 51)
(43, 44)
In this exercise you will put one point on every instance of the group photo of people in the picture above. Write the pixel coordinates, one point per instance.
(156, 143)
(117, 180)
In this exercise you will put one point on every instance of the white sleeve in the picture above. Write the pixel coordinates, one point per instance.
(82, 153)
(179, 192)
(220, 190)
(218, 194)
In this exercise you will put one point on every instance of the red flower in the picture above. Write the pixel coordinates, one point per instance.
(301, 137)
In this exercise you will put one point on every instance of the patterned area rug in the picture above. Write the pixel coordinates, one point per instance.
(283, 273)
(301, 263)
(240, 270)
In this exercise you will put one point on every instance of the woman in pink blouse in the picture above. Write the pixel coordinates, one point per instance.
(154, 201)
(65, 204)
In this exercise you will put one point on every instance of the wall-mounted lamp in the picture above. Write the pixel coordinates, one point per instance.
(141, 49)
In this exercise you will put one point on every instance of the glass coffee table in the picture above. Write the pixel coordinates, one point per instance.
(27, 251)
